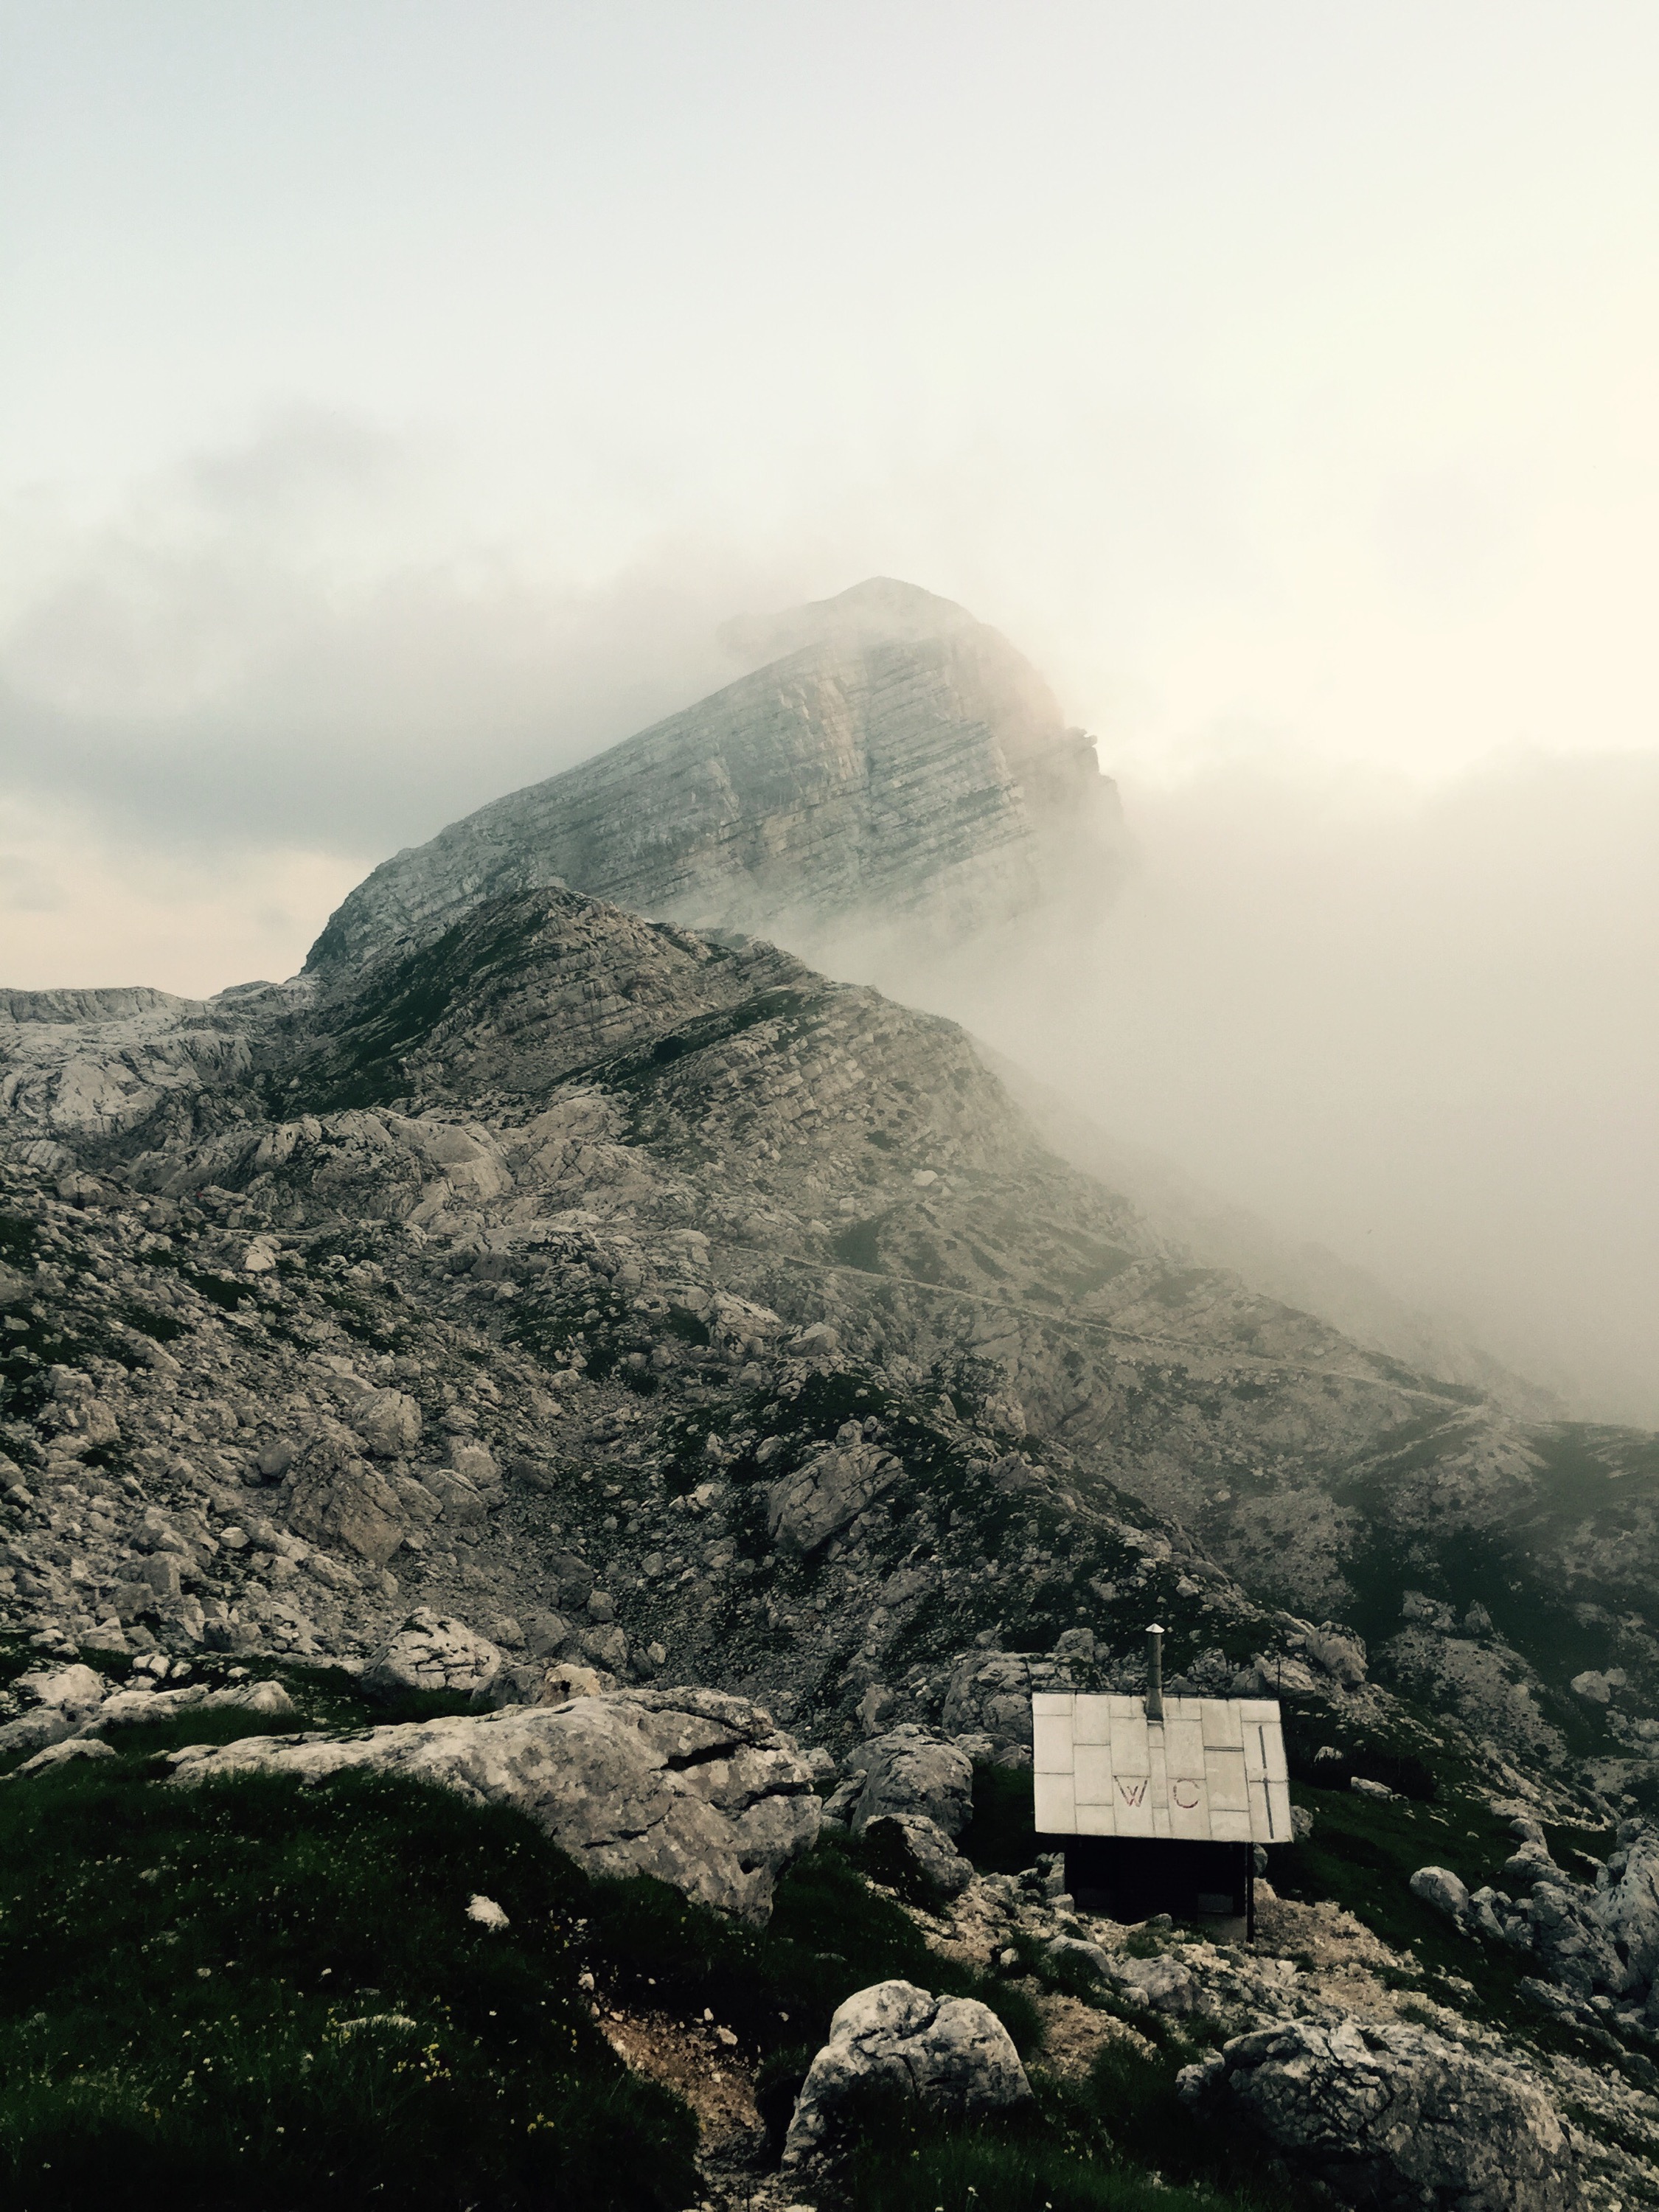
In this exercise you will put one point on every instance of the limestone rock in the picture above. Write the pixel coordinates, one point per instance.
(1628, 1908)
(951, 2053)
(127, 1707)
(827, 1495)
(1562, 1925)
(1093, 1958)
(1165, 1983)
(338, 1499)
(1439, 1888)
(430, 1653)
(909, 1770)
(60, 1755)
(1338, 1652)
(388, 1421)
(929, 1847)
(60, 1700)
(1394, 2117)
(902, 760)
(700, 1789)
(989, 1693)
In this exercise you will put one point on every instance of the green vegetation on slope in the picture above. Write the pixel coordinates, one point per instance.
(264, 1994)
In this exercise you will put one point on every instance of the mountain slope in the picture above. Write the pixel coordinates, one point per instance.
(654, 1189)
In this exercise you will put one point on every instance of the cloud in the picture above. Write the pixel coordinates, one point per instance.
(1416, 1027)
(278, 647)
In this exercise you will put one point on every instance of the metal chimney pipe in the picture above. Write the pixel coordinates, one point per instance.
(1155, 1673)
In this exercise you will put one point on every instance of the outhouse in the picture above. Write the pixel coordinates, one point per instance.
(1159, 1803)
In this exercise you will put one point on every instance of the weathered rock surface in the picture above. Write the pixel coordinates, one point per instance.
(929, 1847)
(60, 1699)
(901, 758)
(1394, 2117)
(827, 1495)
(911, 1772)
(1627, 1910)
(148, 1708)
(433, 1653)
(699, 1790)
(952, 2053)
(1446, 1891)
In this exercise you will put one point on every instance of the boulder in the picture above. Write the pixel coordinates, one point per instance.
(698, 1789)
(1339, 1653)
(74, 1689)
(827, 1495)
(1562, 1926)
(1093, 1958)
(928, 1847)
(1393, 2116)
(475, 1464)
(60, 1755)
(60, 1699)
(340, 1500)
(952, 2052)
(428, 1653)
(909, 1770)
(151, 1706)
(1163, 1983)
(1444, 1891)
(388, 1422)
(989, 1693)
(1628, 1908)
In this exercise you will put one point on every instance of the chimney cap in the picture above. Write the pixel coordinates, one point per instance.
(1154, 1628)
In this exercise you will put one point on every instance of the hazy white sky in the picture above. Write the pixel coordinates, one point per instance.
(394, 395)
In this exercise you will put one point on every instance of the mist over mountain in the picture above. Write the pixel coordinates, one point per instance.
(898, 770)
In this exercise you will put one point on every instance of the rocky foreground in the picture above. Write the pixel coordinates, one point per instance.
(1331, 2061)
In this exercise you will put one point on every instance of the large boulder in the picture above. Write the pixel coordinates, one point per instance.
(698, 1789)
(989, 1693)
(149, 1707)
(828, 1494)
(1444, 1891)
(59, 1701)
(1628, 1909)
(1338, 1652)
(1393, 2116)
(388, 1421)
(340, 1500)
(952, 2052)
(909, 1770)
(1565, 1931)
(430, 1653)
(921, 1845)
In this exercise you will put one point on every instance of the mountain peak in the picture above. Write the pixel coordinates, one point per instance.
(880, 608)
(894, 765)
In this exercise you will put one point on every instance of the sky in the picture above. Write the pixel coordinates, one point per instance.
(395, 398)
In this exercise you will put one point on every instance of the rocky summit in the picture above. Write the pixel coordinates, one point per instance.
(567, 1363)
(900, 765)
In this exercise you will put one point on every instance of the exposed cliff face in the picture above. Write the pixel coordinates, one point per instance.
(900, 766)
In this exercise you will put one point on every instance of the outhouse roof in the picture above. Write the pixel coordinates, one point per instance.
(1211, 1771)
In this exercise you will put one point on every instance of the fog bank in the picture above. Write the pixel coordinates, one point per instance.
(1417, 1027)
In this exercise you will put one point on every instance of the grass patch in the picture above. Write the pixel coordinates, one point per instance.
(265, 1994)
